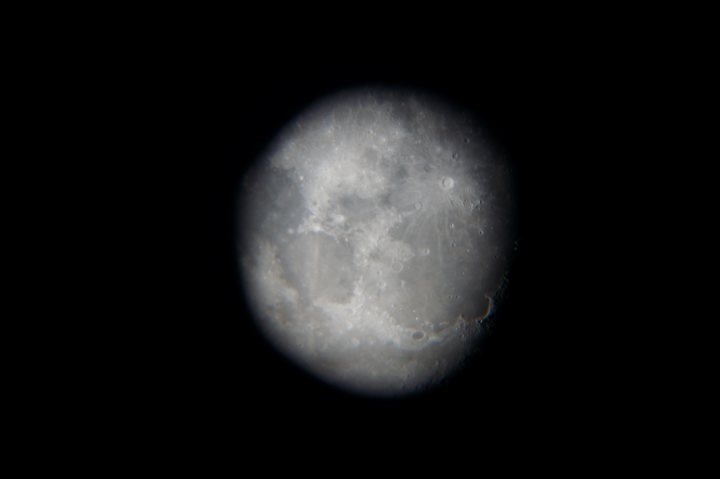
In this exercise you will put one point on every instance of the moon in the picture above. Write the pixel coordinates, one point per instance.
(374, 234)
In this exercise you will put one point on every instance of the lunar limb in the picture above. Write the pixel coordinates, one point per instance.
(371, 228)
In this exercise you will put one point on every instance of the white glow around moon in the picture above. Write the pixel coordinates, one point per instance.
(374, 234)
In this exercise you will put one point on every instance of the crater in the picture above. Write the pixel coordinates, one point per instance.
(446, 183)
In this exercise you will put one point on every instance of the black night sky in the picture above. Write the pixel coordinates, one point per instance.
(146, 121)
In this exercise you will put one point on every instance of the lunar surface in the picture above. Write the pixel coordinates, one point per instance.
(374, 235)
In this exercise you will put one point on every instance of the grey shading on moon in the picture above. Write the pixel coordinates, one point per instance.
(374, 234)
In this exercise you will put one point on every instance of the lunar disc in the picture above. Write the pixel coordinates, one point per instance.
(373, 235)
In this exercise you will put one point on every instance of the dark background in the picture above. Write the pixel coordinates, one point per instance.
(157, 349)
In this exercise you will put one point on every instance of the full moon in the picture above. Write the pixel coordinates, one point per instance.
(374, 236)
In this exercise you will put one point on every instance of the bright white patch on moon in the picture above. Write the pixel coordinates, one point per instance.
(373, 236)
